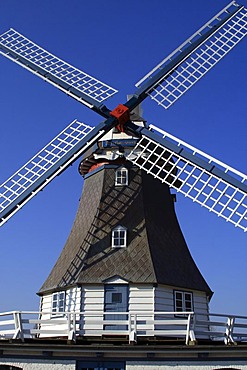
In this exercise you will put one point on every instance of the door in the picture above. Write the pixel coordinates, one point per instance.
(116, 300)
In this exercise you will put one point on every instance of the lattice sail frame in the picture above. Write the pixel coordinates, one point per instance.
(39, 171)
(189, 178)
(195, 65)
(21, 50)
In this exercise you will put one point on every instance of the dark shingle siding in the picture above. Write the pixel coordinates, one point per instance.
(156, 251)
(119, 206)
(77, 245)
(171, 258)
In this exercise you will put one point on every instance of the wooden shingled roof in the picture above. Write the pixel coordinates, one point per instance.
(156, 251)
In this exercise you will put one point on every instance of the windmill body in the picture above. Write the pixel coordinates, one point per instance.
(125, 251)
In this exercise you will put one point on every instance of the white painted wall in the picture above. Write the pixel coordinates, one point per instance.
(163, 297)
(33, 364)
(73, 299)
(73, 303)
(90, 300)
(164, 301)
(141, 298)
(185, 365)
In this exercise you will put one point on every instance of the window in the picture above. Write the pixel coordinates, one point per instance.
(183, 301)
(121, 176)
(119, 237)
(116, 297)
(58, 303)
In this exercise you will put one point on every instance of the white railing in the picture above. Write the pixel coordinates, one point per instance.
(183, 325)
(229, 328)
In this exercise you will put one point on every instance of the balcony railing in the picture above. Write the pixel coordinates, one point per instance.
(71, 325)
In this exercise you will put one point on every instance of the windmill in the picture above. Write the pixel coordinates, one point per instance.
(238, 219)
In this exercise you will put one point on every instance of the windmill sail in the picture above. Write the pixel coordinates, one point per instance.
(200, 177)
(75, 83)
(177, 73)
(53, 159)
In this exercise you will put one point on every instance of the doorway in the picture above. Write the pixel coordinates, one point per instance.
(116, 299)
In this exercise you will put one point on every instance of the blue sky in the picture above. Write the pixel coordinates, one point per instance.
(118, 42)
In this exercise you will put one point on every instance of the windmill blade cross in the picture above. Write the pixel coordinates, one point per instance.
(74, 82)
(177, 73)
(200, 177)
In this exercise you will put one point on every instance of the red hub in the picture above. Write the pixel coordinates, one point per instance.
(122, 114)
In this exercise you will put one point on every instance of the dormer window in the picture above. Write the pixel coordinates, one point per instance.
(121, 176)
(119, 237)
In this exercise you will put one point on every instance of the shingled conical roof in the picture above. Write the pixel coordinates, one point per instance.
(156, 251)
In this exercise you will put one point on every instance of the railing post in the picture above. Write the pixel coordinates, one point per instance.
(74, 322)
(71, 328)
(190, 334)
(229, 330)
(129, 324)
(18, 326)
(132, 330)
(68, 324)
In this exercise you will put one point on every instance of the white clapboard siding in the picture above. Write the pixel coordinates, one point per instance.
(45, 306)
(51, 324)
(163, 298)
(144, 300)
(164, 301)
(141, 299)
(58, 323)
(201, 309)
(200, 304)
(73, 299)
(92, 300)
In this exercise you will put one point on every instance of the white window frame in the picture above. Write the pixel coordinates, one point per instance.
(121, 176)
(58, 303)
(185, 301)
(119, 237)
